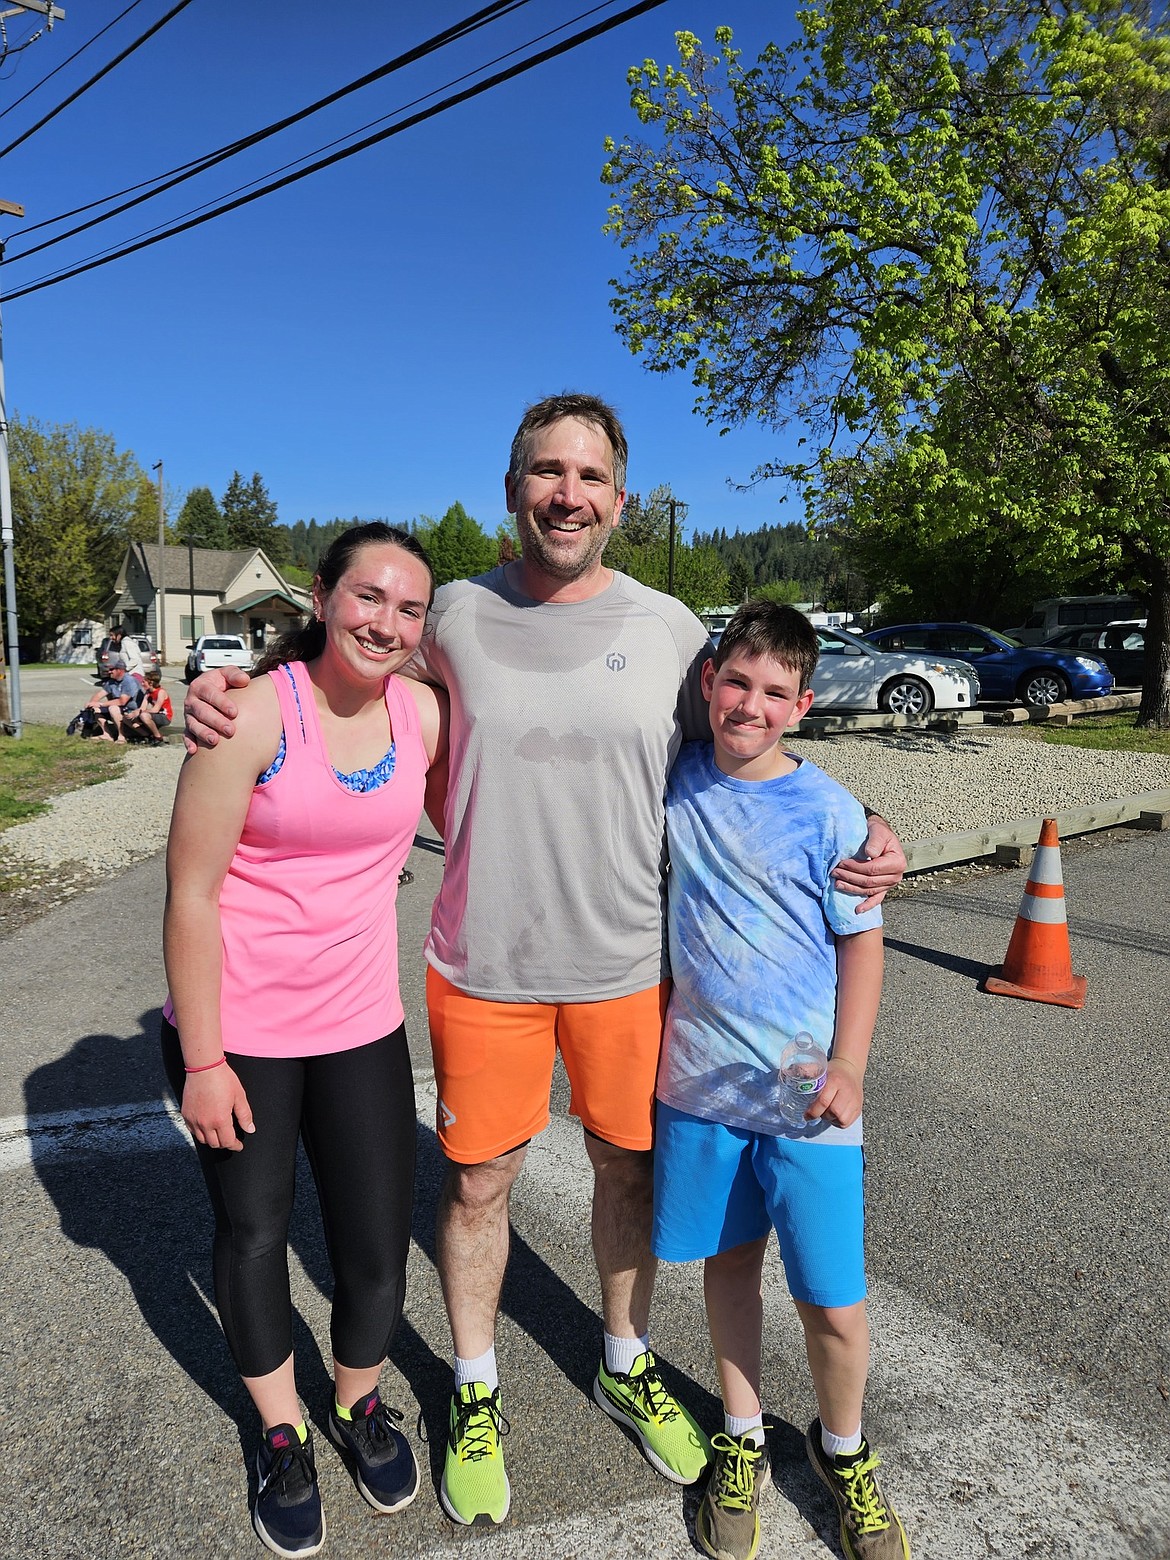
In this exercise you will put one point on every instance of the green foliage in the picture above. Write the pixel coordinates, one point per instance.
(644, 523)
(74, 499)
(739, 581)
(47, 763)
(940, 238)
(809, 561)
(700, 576)
(786, 592)
(456, 545)
(249, 516)
(306, 542)
(201, 521)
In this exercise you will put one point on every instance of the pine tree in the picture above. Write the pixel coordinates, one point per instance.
(201, 520)
(250, 517)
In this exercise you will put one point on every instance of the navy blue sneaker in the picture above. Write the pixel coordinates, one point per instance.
(287, 1515)
(383, 1463)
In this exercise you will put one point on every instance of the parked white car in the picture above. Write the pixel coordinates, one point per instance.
(217, 650)
(854, 675)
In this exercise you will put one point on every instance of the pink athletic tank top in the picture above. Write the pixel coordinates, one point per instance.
(310, 936)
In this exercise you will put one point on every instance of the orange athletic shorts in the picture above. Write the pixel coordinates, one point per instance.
(494, 1067)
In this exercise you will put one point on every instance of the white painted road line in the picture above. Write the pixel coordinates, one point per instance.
(109, 1129)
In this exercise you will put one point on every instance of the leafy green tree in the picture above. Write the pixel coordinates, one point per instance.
(201, 521)
(74, 495)
(786, 592)
(644, 522)
(938, 236)
(700, 577)
(457, 545)
(249, 516)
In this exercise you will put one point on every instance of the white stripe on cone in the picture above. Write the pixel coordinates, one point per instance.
(1046, 865)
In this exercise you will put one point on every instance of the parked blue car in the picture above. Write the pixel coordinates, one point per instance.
(1007, 669)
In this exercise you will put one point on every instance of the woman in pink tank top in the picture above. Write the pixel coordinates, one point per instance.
(284, 1021)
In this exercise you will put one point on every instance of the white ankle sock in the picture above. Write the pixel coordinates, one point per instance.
(483, 1368)
(620, 1353)
(840, 1445)
(738, 1428)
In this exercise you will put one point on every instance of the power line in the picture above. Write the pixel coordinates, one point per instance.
(36, 87)
(184, 171)
(105, 71)
(293, 162)
(555, 50)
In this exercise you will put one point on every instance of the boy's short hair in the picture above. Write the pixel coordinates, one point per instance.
(765, 628)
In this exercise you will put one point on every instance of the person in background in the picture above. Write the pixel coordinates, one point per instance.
(115, 701)
(126, 645)
(155, 713)
(284, 1019)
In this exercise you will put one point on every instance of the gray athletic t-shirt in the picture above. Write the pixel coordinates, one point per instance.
(565, 719)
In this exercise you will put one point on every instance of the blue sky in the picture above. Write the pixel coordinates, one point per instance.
(368, 338)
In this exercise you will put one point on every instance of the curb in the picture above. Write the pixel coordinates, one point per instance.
(1148, 809)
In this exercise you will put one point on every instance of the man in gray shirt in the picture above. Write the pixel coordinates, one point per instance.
(572, 688)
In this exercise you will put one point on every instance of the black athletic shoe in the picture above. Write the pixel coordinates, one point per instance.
(287, 1515)
(383, 1463)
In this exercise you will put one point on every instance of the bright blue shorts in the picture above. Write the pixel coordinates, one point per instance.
(718, 1187)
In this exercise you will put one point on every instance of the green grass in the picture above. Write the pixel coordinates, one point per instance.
(1112, 731)
(45, 763)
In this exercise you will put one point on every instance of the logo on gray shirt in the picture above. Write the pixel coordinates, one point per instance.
(615, 661)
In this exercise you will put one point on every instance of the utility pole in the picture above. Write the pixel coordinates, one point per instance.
(670, 551)
(11, 685)
(9, 208)
(162, 569)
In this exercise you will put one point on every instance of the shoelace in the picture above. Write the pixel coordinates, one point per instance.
(656, 1400)
(865, 1501)
(478, 1428)
(291, 1459)
(376, 1426)
(735, 1472)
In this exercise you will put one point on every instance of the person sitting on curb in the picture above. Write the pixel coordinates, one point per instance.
(154, 714)
(118, 697)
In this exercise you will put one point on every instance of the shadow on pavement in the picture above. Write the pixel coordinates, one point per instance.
(146, 1209)
(975, 968)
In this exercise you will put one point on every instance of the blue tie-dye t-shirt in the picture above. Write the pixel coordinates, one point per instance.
(752, 917)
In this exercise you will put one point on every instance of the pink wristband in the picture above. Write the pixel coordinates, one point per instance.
(208, 1067)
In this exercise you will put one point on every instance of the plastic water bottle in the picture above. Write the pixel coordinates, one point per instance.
(803, 1063)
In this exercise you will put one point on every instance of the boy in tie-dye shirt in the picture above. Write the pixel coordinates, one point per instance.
(763, 947)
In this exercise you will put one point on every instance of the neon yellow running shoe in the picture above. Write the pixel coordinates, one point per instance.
(475, 1488)
(671, 1440)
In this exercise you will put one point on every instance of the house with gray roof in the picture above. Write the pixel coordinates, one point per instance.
(203, 591)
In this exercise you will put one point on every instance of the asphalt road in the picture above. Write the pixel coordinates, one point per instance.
(1018, 1189)
(53, 694)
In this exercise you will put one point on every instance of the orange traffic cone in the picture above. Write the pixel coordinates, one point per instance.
(1038, 963)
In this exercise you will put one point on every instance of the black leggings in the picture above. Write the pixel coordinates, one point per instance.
(354, 1112)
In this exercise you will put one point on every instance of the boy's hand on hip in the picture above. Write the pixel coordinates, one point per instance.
(839, 1102)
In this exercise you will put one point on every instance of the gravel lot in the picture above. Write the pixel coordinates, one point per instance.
(924, 784)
